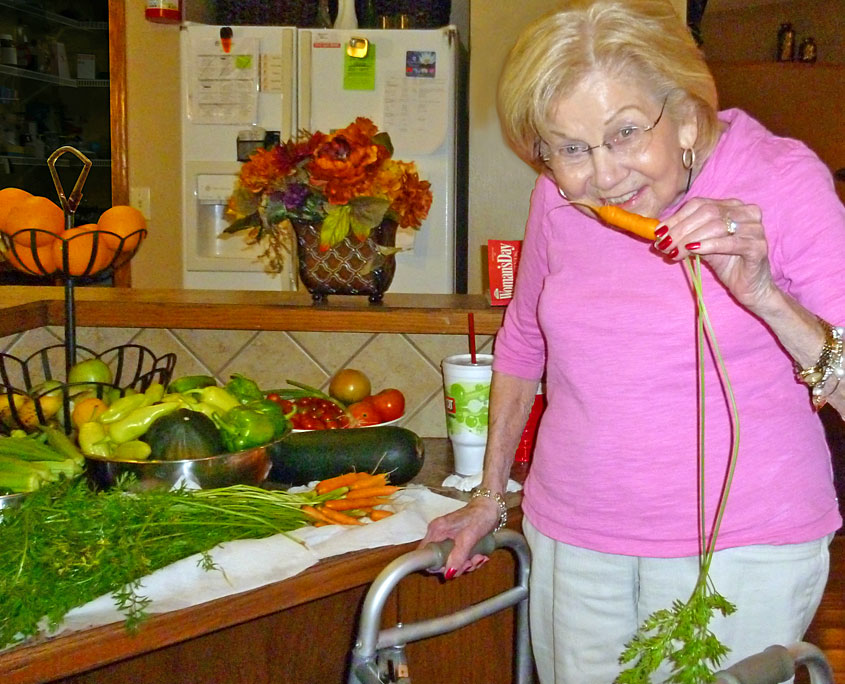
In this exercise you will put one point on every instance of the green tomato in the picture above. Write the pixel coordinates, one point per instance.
(90, 370)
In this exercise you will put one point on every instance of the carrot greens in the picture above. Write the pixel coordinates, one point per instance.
(67, 545)
(681, 634)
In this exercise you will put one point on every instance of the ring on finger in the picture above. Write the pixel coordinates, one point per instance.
(731, 225)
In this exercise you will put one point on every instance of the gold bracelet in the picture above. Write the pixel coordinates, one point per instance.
(500, 501)
(829, 366)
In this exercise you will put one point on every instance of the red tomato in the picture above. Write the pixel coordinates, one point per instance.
(363, 413)
(311, 423)
(390, 404)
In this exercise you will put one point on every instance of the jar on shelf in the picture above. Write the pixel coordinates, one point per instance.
(786, 43)
(8, 51)
(807, 51)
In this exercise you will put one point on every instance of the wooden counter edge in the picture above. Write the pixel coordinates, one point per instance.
(85, 650)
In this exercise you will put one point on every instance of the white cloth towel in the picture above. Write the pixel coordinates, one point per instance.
(466, 483)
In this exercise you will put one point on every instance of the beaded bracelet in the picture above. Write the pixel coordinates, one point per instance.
(500, 501)
(829, 366)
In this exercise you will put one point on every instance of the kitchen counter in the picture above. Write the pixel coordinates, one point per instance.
(23, 308)
(301, 629)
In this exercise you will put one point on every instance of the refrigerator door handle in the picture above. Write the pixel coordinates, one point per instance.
(303, 99)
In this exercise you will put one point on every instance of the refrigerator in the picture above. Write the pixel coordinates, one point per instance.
(243, 85)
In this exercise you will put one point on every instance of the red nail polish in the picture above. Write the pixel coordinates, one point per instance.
(673, 253)
(661, 231)
(450, 573)
(692, 246)
(664, 243)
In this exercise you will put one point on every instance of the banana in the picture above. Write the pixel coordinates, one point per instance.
(25, 413)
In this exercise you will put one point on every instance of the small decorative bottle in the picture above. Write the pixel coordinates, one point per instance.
(346, 17)
(807, 51)
(324, 17)
(786, 43)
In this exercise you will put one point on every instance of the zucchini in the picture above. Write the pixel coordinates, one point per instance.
(303, 457)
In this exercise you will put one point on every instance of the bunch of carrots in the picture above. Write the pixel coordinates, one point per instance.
(350, 497)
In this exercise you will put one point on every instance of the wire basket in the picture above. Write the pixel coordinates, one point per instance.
(25, 383)
(87, 256)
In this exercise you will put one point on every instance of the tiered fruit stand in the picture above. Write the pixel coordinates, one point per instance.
(134, 366)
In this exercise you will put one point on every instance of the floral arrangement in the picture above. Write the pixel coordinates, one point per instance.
(346, 181)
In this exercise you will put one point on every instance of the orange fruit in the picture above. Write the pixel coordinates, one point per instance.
(79, 244)
(88, 409)
(123, 221)
(22, 258)
(35, 214)
(9, 197)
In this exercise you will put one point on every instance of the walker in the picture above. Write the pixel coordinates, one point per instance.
(379, 656)
(779, 664)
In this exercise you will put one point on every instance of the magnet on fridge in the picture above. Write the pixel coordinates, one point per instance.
(357, 47)
(226, 38)
(359, 73)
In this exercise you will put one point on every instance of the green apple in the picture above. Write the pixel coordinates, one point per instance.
(90, 370)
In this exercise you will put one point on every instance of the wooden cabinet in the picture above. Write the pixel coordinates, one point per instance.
(54, 91)
(803, 101)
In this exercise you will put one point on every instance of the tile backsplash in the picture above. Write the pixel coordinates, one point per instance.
(408, 362)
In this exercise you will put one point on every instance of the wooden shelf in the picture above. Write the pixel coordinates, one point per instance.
(28, 307)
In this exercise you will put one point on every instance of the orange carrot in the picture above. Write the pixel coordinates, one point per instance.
(350, 504)
(338, 518)
(316, 514)
(369, 481)
(344, 480)
(370, 492)
(380, 514)
(626, 220)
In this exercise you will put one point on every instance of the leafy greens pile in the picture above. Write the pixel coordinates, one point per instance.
(67, 545)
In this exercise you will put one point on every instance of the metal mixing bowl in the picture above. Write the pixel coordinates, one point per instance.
(250, 466)
(11, 500)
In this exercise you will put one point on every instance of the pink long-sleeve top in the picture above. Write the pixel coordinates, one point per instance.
(613, 326)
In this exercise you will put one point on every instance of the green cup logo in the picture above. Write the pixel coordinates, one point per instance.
(466, 407)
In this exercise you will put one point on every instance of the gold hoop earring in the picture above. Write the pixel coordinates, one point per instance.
(688, 157)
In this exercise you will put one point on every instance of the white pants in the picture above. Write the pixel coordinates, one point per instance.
(585, 606)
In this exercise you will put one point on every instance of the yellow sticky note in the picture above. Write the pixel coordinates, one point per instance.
(359, 73)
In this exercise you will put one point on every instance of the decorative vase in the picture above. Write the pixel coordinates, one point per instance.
(351, 267)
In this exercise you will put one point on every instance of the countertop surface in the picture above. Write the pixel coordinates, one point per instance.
(46, 659)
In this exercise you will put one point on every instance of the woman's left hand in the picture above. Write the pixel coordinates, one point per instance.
(730, 237)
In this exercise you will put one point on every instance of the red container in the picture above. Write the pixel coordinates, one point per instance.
(525, 449)
(163, 11)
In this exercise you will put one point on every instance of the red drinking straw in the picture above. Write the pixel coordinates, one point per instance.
(471, 323)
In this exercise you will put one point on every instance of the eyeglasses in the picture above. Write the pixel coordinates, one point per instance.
(627, 143)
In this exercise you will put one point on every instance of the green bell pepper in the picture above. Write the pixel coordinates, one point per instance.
(136, 423)
(243, 389)
(281, 425)
(243, 428)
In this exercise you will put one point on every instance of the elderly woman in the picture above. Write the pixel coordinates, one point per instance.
(612, 102)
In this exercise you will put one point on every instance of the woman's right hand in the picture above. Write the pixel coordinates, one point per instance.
(465, 527)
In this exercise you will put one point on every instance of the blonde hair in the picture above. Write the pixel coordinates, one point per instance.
(640, 39)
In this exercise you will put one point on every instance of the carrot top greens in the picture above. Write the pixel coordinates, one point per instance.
(681, 634)
(67, 545)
